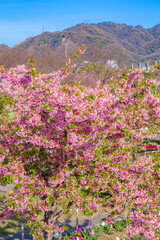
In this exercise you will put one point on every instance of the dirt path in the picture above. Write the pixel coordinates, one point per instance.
(6, 187)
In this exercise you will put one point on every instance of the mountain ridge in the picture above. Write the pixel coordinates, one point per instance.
(132, 43)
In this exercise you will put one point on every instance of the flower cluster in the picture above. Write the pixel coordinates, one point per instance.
(80, 229)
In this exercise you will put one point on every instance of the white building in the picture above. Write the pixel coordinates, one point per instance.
(111, 64)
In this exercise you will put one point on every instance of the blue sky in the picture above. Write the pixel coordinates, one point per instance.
(20, 19)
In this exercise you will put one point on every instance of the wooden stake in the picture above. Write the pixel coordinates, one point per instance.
(77, 218)
(22, 231)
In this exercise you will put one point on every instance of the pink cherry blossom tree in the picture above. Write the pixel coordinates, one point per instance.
(72, 145)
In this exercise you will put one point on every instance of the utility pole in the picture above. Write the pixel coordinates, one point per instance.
(76, 218)
(147, 66)
(139, 65)
(66, 45)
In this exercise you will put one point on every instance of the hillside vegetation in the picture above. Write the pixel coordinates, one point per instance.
(123, 43)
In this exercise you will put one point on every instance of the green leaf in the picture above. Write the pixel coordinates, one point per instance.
(7, 179)
(118, 119)
(114, 181)
(18, 185)
(111, 164)
(5, 161)
(32, 171)
(127, 133)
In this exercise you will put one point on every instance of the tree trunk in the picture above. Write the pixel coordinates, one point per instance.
(134, 154)
(51, 217)
(48, 235)
(133, 157)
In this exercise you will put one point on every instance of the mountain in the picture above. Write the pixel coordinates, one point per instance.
(155, 31)
(124, 43)
(3, 48)
(135, 36)
(143, 42)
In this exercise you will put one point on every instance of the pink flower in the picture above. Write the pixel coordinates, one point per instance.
(92, 231)
(90, 224)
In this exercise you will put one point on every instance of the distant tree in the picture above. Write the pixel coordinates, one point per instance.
(101, 73)
(154, 73)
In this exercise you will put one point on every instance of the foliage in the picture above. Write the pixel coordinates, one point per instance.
(99, 73)
(86, 233)
(99, 230)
